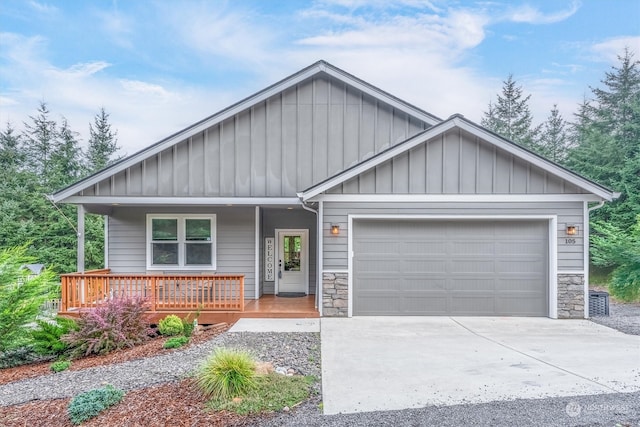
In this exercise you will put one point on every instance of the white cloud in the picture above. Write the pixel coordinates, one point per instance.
(609, 50)
(118, 26)
(43, 8)
(213, 29)
(530, 15)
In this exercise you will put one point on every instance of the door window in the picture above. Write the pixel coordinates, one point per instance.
(292, 249)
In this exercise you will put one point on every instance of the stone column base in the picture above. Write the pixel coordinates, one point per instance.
(571, 296)
(335, 294)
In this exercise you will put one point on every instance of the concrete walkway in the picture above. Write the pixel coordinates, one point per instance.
(385, 363)
(276, 325)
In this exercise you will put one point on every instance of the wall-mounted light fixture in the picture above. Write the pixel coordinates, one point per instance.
(335, 229)
(571, 230)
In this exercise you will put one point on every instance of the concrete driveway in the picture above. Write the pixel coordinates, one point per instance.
(385, 363)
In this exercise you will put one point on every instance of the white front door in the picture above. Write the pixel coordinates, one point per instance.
(293, 261)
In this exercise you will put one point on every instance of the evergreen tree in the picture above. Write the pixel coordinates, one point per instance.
(554, 138)
(11, 154)
(40, 140)
(607, 135)
(511, 117)
(66, 160)
(103, 143)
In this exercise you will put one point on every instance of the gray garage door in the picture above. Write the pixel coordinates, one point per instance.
(427, 267)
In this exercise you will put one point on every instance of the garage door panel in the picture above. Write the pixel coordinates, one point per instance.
(471, 284)
(473, 248)
(471, 265)
(438, 267)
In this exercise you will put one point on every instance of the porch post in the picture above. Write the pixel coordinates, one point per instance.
(80, 261)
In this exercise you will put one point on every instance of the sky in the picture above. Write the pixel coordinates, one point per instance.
(160, 66)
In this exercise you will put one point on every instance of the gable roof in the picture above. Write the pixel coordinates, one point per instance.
(320, 67)
(458, 121)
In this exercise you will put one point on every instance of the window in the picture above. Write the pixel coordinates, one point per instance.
(186, 242)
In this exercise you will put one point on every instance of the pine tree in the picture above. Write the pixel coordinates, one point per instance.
(553, 138)
(511, 117)
(66, 160)
(11, 155)
(40, 140)
(607, 133)
(103, 143)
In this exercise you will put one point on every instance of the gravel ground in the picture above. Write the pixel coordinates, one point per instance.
(301, 351)
(294, 350)
(623, 317)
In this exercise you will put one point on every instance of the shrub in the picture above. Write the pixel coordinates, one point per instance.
(188, 324)
(170, 325)
(175, 342)
(47, 337)
(19, 356)
(60, 365)
(87, 405)
(114, 325)
(21, 296)
(620, 249)
(226, 374)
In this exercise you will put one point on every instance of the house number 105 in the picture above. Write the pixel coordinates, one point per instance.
(570, 241)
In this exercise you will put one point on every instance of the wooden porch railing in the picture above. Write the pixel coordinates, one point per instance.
(165, 292)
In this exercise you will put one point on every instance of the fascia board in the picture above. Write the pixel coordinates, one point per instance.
(186, 201)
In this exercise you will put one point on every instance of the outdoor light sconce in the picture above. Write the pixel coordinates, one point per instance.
(571, 230)
(335, 229)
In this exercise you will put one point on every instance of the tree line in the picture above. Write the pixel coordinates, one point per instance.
(42, 159)
(601, 143)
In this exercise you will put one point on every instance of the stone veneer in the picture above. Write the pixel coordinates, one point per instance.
(571, 296)
(335, 294)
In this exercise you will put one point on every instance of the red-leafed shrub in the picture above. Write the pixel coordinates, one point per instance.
(113, 325)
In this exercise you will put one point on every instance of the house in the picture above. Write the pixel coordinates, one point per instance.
(325, 185)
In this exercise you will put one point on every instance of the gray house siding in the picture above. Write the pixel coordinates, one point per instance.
(276, 148)
(271, 219)
(456, 163)
(235, 241)
(570, 256)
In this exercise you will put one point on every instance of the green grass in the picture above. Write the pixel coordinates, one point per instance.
(272, 392)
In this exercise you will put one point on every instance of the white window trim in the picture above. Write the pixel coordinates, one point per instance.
(181, 242)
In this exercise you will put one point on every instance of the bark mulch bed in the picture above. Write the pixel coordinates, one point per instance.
(171, 404)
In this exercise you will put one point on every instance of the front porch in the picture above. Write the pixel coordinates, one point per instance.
(220, 298)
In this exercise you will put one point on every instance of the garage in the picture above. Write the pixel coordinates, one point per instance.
(450, 267)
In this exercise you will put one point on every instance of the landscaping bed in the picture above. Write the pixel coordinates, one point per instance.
(166, 398)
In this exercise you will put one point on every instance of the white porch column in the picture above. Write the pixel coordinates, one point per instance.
(80, 266)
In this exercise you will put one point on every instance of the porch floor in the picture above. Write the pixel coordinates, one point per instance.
(268, 306)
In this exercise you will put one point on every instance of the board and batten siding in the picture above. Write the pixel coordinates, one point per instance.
(456, 162)
(570, 256)
(235, 240)
(276, 148)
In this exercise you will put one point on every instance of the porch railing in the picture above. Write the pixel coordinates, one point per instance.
(164, 292)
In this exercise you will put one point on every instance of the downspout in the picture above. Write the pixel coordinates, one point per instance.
(318, 249)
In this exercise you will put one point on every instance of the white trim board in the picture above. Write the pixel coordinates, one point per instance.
(553, 247)
(497, 198)
(188, 201)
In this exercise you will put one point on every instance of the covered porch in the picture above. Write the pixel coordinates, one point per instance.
(220, 298)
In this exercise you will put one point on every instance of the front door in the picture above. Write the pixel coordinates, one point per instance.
(293, 261)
